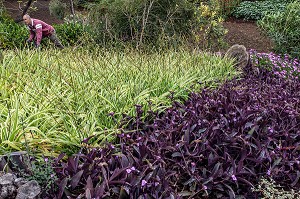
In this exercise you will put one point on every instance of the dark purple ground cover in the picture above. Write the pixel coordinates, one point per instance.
(217, 144)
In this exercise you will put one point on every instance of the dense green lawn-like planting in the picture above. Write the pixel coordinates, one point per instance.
(55, 99)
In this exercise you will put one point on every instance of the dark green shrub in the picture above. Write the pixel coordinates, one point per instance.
(12, 35)
(227, 6)
(70, 32)
(57, 8)
(82, 3)
(141, 21)
(255, 10)
(284, 29)
(158, 23)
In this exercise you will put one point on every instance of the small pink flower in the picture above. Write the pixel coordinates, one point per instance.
(193, 164)
(130, 170)
(233, 178)
(144, 182)
(270, 130)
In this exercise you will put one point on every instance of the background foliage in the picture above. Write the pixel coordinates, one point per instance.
(284, 29)
(137, 23)
(12, 35)
(156, 22)
(208, 31)
(255, 10)
(227, 6)
(141, 21)
(57, 8)
(72, 33)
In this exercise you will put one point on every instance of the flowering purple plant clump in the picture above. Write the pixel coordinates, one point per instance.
(217, 144)
(283, 66)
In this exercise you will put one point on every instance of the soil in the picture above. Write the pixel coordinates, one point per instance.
(248, 34)
(41, 12)
(239, 31)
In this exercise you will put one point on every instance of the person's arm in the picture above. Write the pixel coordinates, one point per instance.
(39, 34)
(31, 36)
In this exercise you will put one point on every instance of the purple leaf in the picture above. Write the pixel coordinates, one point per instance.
(62, 185)
(89, 184)
(75, 179)
(72, 164)
(296, 179)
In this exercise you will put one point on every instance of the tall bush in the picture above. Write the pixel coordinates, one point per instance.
(147, 21)
(141, 20)
(12, 35)
(209, 32)
(284, 29)
(57, 8)
(71, 33)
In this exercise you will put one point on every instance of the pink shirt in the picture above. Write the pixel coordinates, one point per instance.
(39, 29)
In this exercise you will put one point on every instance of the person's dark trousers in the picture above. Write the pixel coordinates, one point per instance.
(55, 40)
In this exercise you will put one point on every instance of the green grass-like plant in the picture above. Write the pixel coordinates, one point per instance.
(55, 99)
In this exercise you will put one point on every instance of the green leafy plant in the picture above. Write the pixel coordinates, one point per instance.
(255, 10)
(12, 35)
(162, 23)
(71, 32)
(57, 8)
(227, 6)
(33, 168)
(142, 21)
(269, 189)
(209, 32)
(43, 173)
(284, 29)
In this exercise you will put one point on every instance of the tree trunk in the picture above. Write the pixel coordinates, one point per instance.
(24, 10)
(72, 7)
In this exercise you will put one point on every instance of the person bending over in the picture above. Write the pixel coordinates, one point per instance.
(39, 30)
